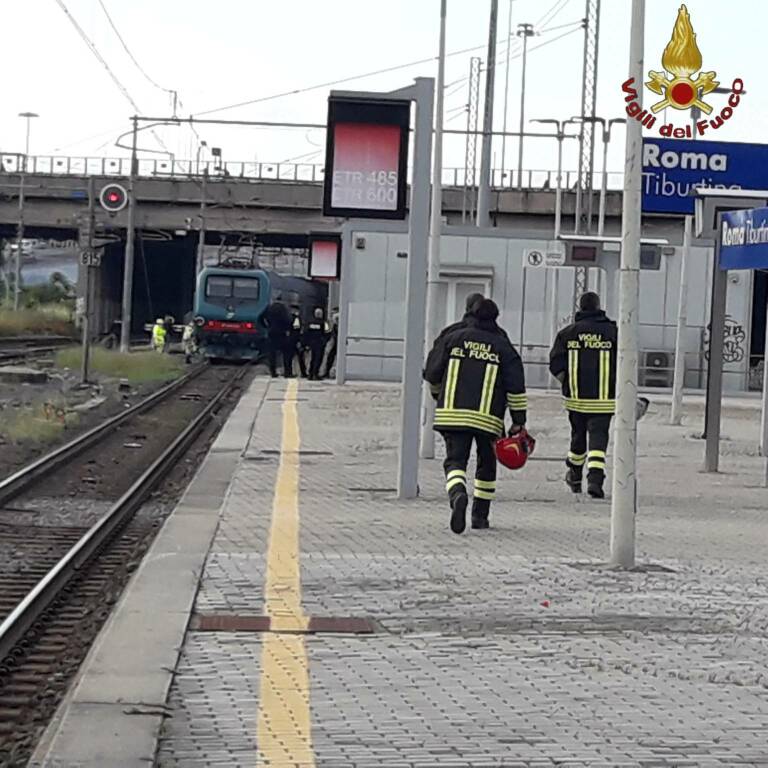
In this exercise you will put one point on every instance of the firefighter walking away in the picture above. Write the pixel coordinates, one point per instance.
(583, 360)
(475, 374)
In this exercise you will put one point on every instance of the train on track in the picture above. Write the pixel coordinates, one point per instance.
(230, 304)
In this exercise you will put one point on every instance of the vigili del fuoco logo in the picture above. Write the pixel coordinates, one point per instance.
(680, 87)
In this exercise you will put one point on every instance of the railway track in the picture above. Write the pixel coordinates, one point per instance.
(60, 577)
(13, 348)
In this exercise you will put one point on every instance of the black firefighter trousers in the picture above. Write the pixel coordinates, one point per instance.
(458, 446)
(589, 442)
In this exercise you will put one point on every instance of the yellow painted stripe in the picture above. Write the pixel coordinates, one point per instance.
(284, 728)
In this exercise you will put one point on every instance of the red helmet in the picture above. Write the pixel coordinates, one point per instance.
(514, 451)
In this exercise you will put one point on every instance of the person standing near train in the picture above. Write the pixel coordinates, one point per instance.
(315, 338)
(278, 329)
(297, 343)
(333, 343)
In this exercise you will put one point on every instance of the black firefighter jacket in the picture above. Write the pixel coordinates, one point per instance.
(438, 348)
(476, 374)
(583, 357)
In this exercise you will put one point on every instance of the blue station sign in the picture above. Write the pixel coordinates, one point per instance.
(673, 168)
(744, 239)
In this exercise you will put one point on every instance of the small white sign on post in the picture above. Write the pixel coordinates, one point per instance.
(551, 256)
(555, 259)
(533, 257)
(90, 257)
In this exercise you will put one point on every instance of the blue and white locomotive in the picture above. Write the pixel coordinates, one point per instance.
(230, 304)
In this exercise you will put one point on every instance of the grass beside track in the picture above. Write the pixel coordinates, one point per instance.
(38, 424)
(136, 367)
(52, 320)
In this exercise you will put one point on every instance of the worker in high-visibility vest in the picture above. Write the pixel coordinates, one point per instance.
(159, 335)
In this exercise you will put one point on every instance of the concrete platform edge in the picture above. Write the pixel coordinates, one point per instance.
(122, 731)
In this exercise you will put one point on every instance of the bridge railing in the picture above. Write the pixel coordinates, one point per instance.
(265, 171)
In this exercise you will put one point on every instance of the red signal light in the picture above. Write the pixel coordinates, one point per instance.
(113, 198)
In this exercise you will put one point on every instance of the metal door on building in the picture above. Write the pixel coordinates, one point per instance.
(453, 293)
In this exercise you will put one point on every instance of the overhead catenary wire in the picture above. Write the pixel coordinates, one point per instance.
(128, 51)
(97, 54)
(95, 51)
(553, 11)
(175, 97)
(518, 53)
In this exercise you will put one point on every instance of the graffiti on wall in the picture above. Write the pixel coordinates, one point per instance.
(734, 341)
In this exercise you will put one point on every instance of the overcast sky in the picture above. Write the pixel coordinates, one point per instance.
(229, 51)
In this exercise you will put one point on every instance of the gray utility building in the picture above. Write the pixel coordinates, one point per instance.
(280, 213)
(536, 300)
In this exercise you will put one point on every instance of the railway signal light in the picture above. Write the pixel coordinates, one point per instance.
(113, 198)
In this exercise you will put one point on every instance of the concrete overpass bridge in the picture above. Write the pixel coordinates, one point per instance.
(272, 205)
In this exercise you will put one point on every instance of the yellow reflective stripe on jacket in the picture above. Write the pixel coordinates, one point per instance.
(573, 372)
(451, 381)
(605, 374)
(517, 402)
(590, 406)
(489, 383)
(459, 417)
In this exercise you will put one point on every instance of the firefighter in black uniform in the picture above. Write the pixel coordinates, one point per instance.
(296, 342)
(472, 303)
(475, 378)
(278, 328)
(315, 338)
(583, 359)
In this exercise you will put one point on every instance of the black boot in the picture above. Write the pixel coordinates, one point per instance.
(458, 500)
(480, 511)
(573, 479)
(595, 487)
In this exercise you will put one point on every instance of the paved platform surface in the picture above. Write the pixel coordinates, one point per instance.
(507, 647)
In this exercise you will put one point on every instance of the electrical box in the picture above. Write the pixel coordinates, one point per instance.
(582, 253)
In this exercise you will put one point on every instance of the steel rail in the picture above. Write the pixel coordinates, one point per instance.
(20, 354)
(39, 599)
(14, 484)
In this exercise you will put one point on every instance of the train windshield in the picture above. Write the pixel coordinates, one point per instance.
(244, 288)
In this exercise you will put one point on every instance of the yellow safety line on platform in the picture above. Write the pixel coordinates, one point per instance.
(284, 731)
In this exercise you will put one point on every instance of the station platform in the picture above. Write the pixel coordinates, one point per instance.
(292, 612)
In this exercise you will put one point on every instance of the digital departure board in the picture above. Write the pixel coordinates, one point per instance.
(366, 157)
(324, 257)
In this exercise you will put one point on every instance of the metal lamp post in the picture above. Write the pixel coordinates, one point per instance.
(606, 126)
(197, 158)
(560, 136)
(525, 31)
(28, 116)
(427, 444)
(624, 496)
